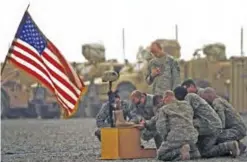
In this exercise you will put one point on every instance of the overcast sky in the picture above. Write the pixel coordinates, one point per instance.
(70, 23)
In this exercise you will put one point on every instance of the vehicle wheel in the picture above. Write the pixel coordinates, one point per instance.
(57, 113)
(4, 104)
(125, 89)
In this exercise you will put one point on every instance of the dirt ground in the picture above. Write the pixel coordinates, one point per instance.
(60, 140)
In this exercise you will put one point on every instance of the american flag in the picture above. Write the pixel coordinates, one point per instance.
(32, 52)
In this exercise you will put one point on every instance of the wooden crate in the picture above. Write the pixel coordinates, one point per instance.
(123, 143)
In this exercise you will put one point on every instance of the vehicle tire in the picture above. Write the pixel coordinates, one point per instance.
(124, 90)
(4, 104)
(57, 113)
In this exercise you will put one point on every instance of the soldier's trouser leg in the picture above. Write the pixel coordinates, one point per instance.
(98, 134)
(209, 148)
(232, 134)
(170, 151)
(148, 135)
(158, 140)
(194, 151)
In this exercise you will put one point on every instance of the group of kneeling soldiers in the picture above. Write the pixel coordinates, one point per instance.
(186, 123)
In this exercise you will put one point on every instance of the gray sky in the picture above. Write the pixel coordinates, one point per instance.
(70, 23)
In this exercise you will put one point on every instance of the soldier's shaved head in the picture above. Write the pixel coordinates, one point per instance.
(157, 44)
(136, 97)
(209, 90)
(156, 49)
(136, 93)
(169, 97)
(169, 93)
(209, 94)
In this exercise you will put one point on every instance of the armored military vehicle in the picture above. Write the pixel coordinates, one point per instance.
(92, 72)
(19, 98)
(14, 97)
(211, 70)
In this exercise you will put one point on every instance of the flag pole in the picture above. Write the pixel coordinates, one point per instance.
(7, 56)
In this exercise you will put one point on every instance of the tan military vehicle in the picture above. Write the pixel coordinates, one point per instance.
(211, 70)
(19, 99)
(14, 96)
(92, 72)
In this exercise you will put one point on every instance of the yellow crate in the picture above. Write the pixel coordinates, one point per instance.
(123, 143)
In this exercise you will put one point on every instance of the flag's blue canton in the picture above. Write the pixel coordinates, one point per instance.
(29, 33)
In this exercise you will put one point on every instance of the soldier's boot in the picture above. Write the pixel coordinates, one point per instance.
(185, 152)
(194, 152)
(242, 147)
(158, 140)
(97, 134)
(233, 148)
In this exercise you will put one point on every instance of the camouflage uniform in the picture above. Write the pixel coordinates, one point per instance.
(209, 125)
(205, 118)
(169, 77)
(103, 118)
(199, 90)
(175, 124)
(233, 125)
(145, 111)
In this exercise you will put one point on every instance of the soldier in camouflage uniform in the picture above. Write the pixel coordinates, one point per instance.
(163, 71)
(103, 118)
(233, 125)
(191, 87)
(175, 125)
(209, 126)
(143, 109)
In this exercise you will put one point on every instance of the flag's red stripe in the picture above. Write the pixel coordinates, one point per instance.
(54, 50)
(33, 73)
(62, 102)
(54, 62)
(64, 94)
(67, 108)
(58, 77)
(26, 59)
(36, 75)
(24, 48)
(40, 78)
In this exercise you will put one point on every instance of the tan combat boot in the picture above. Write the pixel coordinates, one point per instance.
(120, 121)
(234, 148)
(185, 152)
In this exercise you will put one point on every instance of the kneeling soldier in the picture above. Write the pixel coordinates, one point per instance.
(103, 118)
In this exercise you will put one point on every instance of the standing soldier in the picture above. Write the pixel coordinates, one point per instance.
(163, 71)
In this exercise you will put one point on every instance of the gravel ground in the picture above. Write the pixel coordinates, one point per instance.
(59, 140)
